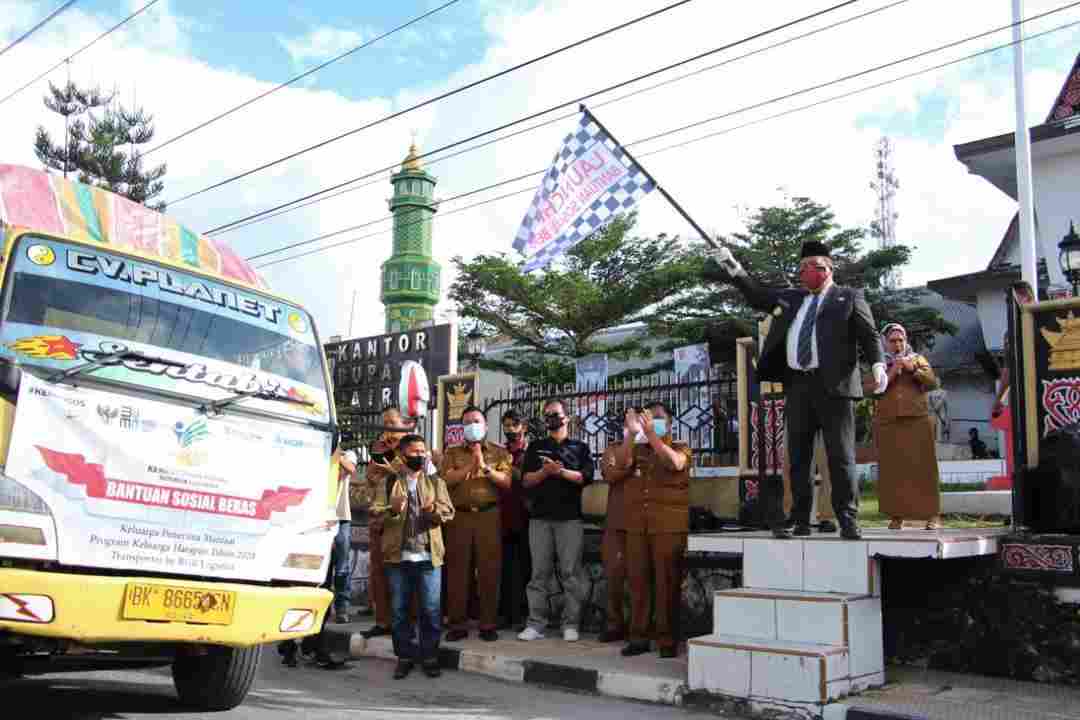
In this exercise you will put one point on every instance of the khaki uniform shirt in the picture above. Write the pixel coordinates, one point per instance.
(906, 394)
(476, 490)
(656, 498)
(616, 506)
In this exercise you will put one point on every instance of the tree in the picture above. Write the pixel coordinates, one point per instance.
(104, 149)
(608, 280)
(769, 249)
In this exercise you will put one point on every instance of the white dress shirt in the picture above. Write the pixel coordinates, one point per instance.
(796, 326)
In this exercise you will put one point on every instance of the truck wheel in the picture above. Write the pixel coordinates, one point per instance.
(219, 680)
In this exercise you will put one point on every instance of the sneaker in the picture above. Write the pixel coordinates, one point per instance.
(570, 635)
(341, 617)
(431, 668)
(529, 634)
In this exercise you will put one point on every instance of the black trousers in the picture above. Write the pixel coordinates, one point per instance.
(809, 408)
(516, 571)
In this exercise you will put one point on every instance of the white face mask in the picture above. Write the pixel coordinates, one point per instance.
(475, 432)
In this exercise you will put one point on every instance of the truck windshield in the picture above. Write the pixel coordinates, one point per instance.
(68, 304)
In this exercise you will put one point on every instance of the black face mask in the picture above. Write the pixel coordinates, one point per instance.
(415, 462)
(554, 422)
(512, 436)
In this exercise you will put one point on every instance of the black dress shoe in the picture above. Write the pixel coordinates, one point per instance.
(668, 652)
(432, 669)
(489, 635)
(375, 631)
(611, 636)
(827, 526)
(850, 531)
(801, 530)
(456, 634)
(789, 522)
(783, 533)
(635, 648)
(403, 668)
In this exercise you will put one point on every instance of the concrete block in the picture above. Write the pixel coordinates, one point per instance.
(752, 617)
(841, 566)
(773, 564)
(984, 502)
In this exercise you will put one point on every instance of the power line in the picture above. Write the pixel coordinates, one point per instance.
(737, 111)
(40, 25)
(314, 198)
(533, 116)
(85, 47)
(435, 99)
(691, 141)
(301, 76)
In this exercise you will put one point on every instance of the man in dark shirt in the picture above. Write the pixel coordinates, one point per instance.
(556, 468)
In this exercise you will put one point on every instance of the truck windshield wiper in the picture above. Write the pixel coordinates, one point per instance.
(217, 405)
(110, 359)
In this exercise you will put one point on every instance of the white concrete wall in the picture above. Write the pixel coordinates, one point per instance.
(990, 306)
(1056, 185)
(969, 399)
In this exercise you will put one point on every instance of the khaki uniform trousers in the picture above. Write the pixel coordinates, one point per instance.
(613, 552)
(473, 544)
(378, 585)
(655, 559)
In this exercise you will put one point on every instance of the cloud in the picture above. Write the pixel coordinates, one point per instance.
(954, 220)
(322, 43)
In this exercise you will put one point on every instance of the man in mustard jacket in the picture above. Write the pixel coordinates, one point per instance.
(413, 511)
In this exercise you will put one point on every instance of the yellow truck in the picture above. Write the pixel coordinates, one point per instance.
(167, 482)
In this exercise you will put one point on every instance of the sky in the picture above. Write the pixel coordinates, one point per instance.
(187, 61)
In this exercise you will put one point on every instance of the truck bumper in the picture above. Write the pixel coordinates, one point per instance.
(90, 609)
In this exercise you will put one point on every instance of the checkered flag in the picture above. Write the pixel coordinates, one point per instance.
(591, 180)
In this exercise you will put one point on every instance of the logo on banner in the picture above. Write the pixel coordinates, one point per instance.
(92, 477)
(190, 437)
(47, 347)
(1061, 401)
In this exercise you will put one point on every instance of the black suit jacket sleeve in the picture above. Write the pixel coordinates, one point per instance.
(758, 296)
(865, 334)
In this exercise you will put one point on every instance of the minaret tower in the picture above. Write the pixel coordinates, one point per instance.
(411, 277)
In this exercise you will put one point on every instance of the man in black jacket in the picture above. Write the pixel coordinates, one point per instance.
(812, 348)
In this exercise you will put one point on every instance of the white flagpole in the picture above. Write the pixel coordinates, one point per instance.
(1028, 250)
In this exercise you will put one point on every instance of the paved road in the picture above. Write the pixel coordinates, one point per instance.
(362, 690)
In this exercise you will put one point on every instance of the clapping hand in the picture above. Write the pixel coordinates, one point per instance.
(551, 467)
(632, 424)
(646, 423)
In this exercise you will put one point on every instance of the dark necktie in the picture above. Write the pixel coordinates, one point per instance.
(806, 334)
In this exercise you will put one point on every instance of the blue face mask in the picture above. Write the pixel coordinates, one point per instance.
(474, 432)
(659, 427)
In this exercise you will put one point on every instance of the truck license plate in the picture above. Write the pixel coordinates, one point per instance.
(150, 601)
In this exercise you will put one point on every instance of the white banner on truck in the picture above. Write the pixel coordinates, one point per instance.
(143, 485)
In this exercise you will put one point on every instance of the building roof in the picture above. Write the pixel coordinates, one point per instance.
(994, 159)
(962, 350)
(1067, 104)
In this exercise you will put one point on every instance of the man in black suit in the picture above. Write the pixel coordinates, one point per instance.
(812, 348)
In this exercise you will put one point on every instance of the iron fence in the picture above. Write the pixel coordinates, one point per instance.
(703, 404)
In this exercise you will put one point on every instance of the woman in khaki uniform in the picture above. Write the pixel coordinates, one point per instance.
(654, 471)
(907, 458)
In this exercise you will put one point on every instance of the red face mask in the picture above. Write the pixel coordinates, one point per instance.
(813, 277)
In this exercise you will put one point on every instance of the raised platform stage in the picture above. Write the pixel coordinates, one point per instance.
(805, 629)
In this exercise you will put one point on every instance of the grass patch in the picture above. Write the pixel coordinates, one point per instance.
(871, 516)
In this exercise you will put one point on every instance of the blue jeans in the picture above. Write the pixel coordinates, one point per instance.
(339, 561)
(405, 579)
